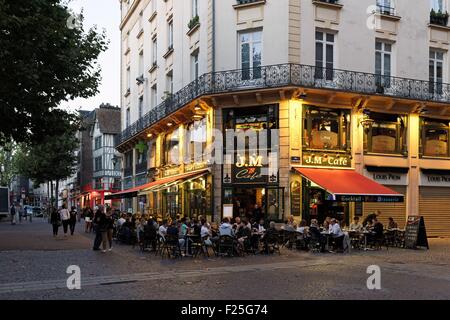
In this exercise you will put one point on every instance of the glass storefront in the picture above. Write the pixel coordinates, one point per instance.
(250, 173)
(435, 137)
(386, 133)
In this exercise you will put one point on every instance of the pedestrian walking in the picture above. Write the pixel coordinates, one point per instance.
(65, 218)
(12, 212)
(55, 220)
(72, 220)
(96, 225)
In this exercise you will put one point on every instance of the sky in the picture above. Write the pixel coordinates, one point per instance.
(105, 14)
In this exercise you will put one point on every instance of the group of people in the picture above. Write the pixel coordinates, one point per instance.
(17, 213)
(63, 217)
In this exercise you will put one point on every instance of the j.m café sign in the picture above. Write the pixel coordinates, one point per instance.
(327, 160)
(251, 169)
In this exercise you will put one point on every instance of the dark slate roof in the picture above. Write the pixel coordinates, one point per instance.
(108, 118)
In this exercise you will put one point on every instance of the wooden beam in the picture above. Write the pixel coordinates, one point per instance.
(282, 95)
(391, 104)
(259, 98)
(365, 102)
(236, 99)
(215, 102)
(331, 98)
(443, 112)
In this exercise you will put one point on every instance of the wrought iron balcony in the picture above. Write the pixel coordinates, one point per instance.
(390, 11)
(127, 172)
(246, 1)
(283, 75)
(329, 1)
(141, 167)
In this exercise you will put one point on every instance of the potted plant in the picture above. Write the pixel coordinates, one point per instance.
(439, 17)
(194, 21)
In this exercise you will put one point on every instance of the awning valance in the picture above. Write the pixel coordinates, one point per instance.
(133, 192)
(349, 186)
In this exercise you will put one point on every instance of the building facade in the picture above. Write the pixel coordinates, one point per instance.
(352, 90)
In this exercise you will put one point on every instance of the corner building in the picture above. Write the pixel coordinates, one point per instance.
(348, 101)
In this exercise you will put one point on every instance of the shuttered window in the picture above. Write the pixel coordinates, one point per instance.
(434, 206)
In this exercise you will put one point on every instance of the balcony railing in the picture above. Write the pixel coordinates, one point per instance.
(390, 11)
(141, 167)
(282, 75)
(246, 1)
(439, 18)
(329, 1)
(127, 171)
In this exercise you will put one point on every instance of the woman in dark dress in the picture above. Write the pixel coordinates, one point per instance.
(55, 220)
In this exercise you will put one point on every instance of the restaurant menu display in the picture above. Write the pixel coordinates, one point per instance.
(415, 233)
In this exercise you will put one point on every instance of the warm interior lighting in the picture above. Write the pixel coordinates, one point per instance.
(170, 124)
(197, 108)
(149, 135)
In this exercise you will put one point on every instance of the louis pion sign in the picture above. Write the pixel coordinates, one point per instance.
(327, 160)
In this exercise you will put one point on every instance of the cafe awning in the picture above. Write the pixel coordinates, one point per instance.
(133, 192)
(349, 186)
(179, 178)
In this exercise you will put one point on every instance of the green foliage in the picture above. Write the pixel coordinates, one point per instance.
(7, 164)
(193, 22)
(44, 62)
(53, 158)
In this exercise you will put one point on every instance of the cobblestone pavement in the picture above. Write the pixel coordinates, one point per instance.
(33, 266)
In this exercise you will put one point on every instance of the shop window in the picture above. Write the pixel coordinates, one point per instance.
(386, 133)
(326, 129)
(435, 134)
(171, 147)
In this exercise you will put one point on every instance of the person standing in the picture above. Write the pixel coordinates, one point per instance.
(98, 234)
(55, 220)
(88, 217)
(72, 220)
(107, 227)
(65, 218)
(12, 212)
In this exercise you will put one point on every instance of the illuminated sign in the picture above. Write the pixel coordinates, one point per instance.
(327, 160)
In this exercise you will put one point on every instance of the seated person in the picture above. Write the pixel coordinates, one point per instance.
(376, 230)
(288, 226)
(302, 227)
(327, 224)
(162, 231)
(244, 232)
(337, 234)
(259, 227)
(268, 236)
(315, 235)
(173, 230)
(225, 228)
(356, 225)
(392, 224)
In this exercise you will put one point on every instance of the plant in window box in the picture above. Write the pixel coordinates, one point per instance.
(167, 96)
(439, 17)
(194, 22)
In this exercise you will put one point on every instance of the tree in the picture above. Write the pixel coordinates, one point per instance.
(53, 159)
(7, 167)
(45, 60)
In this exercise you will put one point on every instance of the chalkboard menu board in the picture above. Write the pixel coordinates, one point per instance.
(415, 233)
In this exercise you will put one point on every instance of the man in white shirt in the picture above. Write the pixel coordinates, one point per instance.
(162, 231)
(225, 228)
(336, 233)
(65, 216)
(121, 220)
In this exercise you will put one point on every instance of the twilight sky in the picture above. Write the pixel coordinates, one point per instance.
(105, 14)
